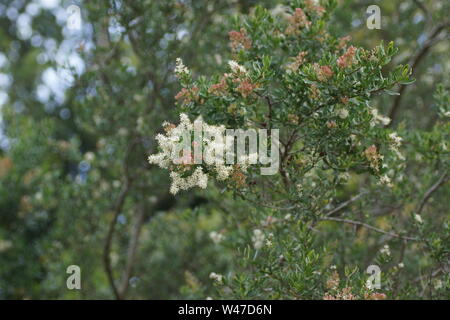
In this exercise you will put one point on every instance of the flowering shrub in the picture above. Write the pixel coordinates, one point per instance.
(290, 72)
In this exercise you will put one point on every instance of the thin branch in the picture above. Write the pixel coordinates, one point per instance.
(116, 209)
(345, 204)
(442, 180)
(112, 226)
(269, 104)
(421, 6)
(367, 226)
(132, 249)
(414, 62)
(432, 275)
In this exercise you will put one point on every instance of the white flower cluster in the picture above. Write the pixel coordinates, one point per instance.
(384, 179)
(385, 250)
(198, 178)
(269, 242)
(395, 143)
(258, 239)
(342, 113)
(237, 68)
(418, 218)
(180, 68)
(216, 237)
(378, 118)
(186, 172)
(216, 277)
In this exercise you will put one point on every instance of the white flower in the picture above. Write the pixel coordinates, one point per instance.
(401, 265)
(216, 237)
(377, 118)
(342, 113)
(38, 196)
(386, 250)
(122, 132)
(5, 245)
(216, 277)
(237, 68)
(438, 284)
(258, 239)
(269, 242)
(89, 156)
(384, 179)
(418, 218)
(180, 68)
(396, 140)
(344, 176)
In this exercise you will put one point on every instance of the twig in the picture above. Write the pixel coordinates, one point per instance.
(132, 249)
(269, 103)
(112, 226)
(116, 209)
(367, 226)
(414, 62)
(345, 204)
(424, 9)
(431, 275)
(442, 180)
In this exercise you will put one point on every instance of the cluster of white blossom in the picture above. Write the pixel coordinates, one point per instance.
(180, 68)
(186, 171)
(216, 237)
(269, 241)
(385, 250)
(395, 143)
(258, 239)
(198, 178)
(418, 218)
(216, 277)
(342, 113)
(237, 68)
(384, 179)
(378, 118)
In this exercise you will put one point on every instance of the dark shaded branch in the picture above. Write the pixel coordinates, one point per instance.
(414, 62)
(112, 226)
(269, 104)
(132, 249)
(116, 209)
(425, 11)
(344, 204)
(367, 226)
(442, 180)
